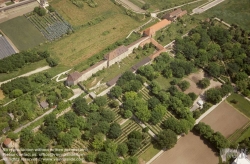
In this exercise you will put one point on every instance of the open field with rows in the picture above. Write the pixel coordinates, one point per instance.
(188, 149)
(88, 40)
(231, 11)
(225, 119)
(22, 33)
(52, 26)
(242, 104)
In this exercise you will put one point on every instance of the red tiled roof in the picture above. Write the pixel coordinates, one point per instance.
(118, 51)
(175, 12)
(149, 31)
(7, 141)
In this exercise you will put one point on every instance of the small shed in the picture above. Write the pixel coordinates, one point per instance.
(92, 95)
(6, 129)
(44, 104)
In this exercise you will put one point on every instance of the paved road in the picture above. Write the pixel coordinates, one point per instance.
(199, 10)
(28, 74)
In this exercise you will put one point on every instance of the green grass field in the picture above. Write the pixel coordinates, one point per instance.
(164, 82)
(231, 11)
(22, 33)
(149, 153)
(242, 104)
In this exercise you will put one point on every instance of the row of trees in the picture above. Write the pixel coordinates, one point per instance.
(215, 138)
(18, 60)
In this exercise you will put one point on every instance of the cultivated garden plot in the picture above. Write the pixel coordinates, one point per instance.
(52, 26)
(189, 150)
(225, 119)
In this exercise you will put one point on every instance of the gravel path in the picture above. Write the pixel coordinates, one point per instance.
(28, 74)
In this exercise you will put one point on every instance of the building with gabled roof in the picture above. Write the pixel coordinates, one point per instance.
(175, 14)
(72, 78)
(156, 27)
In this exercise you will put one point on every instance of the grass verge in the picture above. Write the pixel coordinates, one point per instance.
(241, 103)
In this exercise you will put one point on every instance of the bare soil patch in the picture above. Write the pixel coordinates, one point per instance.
(1, 95)
(195, 78)
(225, 119)
(189, 150)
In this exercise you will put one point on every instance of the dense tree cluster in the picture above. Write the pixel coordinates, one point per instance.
(18, 60)
(203, 83)
(214, 95)
(166, 139)
(40, 11)
(220, 52)
(215, 138)
(130, 82)
(23, 84)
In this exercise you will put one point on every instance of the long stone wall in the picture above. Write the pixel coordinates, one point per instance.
(92, 70)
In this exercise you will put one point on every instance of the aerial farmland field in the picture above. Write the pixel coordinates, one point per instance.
(225, 119)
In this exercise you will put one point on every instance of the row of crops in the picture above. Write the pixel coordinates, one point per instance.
(52, 25)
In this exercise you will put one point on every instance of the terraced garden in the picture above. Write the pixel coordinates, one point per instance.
(145, 93)
(118, 117)
(129, 127)
(52, 25)
(157, 128)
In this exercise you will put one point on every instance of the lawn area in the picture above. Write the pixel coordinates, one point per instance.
(88, 40)
(242, 104)
(149, 153)
(138, 3)
(165, 4)
(244, 135)
(164, 82)
(231, 11)
(22, 33)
